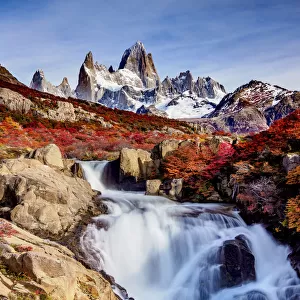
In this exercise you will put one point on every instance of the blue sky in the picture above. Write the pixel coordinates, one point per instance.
(233, 41)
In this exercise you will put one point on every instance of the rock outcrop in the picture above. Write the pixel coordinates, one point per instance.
(237, 263)
(43, 197)
(171, 188)
(61, 111)
(139, 62)
(14, 101)
(40, 83)
(5, 75)
(49, 155)
(164, 148)
(87, 79)
(151, 111)
(34, 268)
(135, 165)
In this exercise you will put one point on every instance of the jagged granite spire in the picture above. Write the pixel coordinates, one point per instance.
(139, 62)
(40, 83)
(87, 79)
(89, 60)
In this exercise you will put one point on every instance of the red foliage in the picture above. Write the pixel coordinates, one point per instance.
(6, 229)
(22, 248)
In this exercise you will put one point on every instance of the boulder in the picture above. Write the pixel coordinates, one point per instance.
(153, 187)
(237, 263)
(44, 200)
(50, 155)
(135, 163)
(291, 161)
(172, 189)
(32, 266)
(164, 148)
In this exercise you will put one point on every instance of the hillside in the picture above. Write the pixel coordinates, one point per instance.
(81, 129)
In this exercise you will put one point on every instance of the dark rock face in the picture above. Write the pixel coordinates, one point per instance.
(294, 258)
(86, 80)
(138, 61)
(285, 106)
(237, 262)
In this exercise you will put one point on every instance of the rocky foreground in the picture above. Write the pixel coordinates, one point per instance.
(46, 195)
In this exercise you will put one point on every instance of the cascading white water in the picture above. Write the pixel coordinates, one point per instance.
(160, 250)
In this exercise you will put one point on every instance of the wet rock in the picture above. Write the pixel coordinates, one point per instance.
(253, 295)
(294, 258)
(153, 187)
(289, 293)
(237, 262)
(172, 189)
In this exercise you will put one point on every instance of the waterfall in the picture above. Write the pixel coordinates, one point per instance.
(161, 250)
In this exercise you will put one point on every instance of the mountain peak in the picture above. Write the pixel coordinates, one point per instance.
(138, 44)
(139, 62)
(65, 81)
(38, 76)
(89, 61)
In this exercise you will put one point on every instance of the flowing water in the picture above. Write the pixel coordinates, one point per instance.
(160, 250)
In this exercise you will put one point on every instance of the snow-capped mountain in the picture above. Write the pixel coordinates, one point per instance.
(252, 107)
(136, 85)
(186, 98)
(40, 83)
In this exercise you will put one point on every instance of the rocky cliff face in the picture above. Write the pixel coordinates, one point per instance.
(87, 79)
(139, 62)
(136, 84)
(187, 98)
(40, 83)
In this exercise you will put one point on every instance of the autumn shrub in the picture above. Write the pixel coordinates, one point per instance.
(293, 213)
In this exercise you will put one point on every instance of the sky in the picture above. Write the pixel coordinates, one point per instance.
(232, 41)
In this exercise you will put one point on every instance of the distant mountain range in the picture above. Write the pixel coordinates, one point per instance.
(136, 85)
